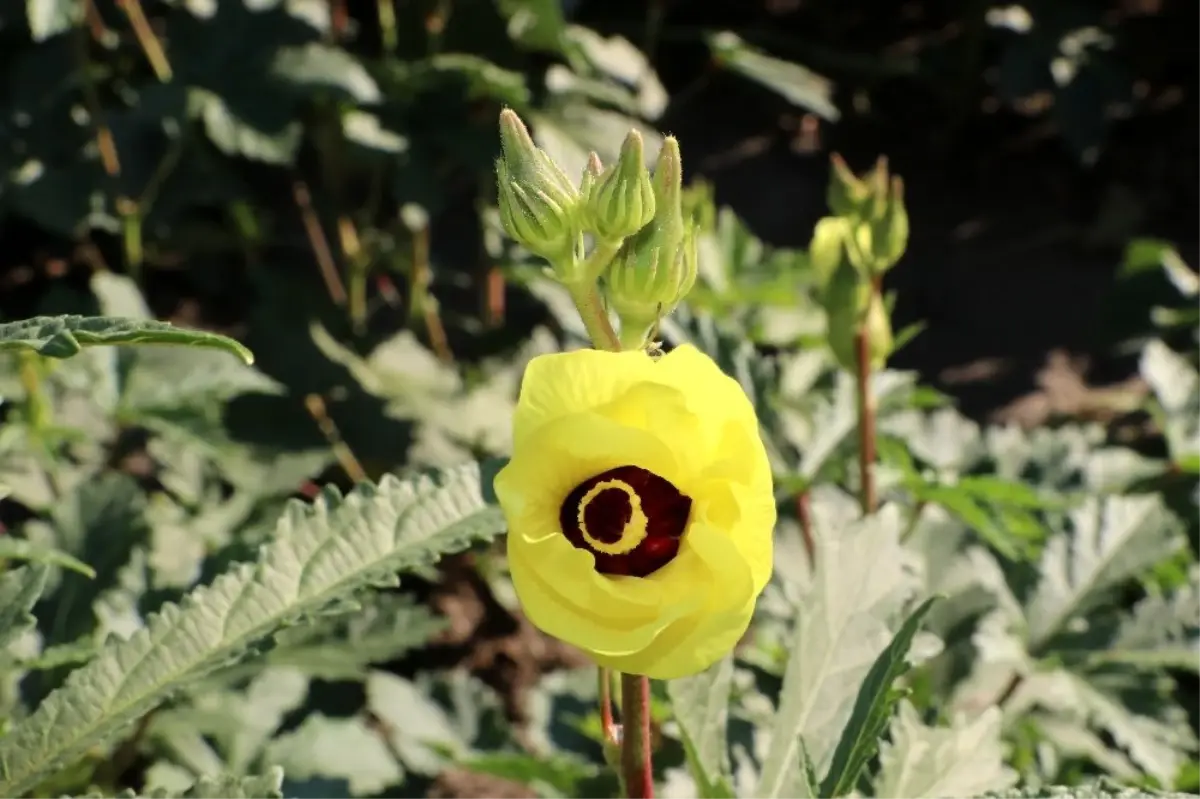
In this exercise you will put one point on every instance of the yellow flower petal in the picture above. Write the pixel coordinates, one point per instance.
(562, 454)
(712, 394)
(583, 413)
(699, 639)
(566, 383)
(563, 595)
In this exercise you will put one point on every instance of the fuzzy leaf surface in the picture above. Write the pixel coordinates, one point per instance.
(319, 556)
(64, 336)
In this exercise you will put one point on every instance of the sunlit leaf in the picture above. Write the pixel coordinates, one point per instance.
(841, 628)
(20, 589)
(872, 708)
(64, 336)
(931, 762)
(701, 708)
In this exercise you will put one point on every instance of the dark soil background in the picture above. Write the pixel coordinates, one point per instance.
(1015, 243)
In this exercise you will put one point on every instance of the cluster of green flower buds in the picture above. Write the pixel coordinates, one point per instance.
(851, 251)
(641, 244)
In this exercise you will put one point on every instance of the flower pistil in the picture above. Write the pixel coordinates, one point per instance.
(629, 518)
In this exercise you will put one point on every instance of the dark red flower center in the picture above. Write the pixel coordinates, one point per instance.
(631, 519)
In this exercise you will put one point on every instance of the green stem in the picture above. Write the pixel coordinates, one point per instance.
(586, 293)
(866, 422)
(633, 336)
(635, 737)
(595, 317)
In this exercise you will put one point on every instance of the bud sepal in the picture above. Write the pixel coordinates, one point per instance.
(539, 206)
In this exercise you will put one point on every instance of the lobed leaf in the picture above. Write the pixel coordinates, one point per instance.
(65, 336)
(319, 555)
(267, 786)
(1109, 541)
(841, 627)
(963, 759)
(1163, 631)
(22, 549)
(872, 708)
(701, 708)
(1102, 790)
(19, 591)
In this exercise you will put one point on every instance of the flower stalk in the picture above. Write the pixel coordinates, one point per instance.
(637, 772)
(849, 254)
(866, 421)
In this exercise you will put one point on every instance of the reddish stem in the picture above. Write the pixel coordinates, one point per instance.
(607, 725)
(866, 422)
(804, 514)
(635, 737)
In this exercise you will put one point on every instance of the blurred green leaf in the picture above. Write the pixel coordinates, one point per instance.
(346, 749)
(700, 705)
(1107, 542)
(963, 759)
(872, 708)
(20, 590)
(222, 787)
(51, 17)
(536, 24)
(795, 83)
(840, 630)
(64, 336)
(20, 549)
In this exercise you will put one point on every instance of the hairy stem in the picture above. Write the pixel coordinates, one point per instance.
(595, 317)
(635, 738)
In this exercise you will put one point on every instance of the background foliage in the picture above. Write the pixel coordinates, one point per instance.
(315, 180)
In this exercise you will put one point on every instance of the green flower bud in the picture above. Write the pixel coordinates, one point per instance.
(851, 305)
(538, 203)
(889, 230)
(827, 249)
(591, 171)
(656, 267)
(848, 195)
(620, 202)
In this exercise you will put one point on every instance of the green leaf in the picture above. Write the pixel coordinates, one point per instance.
(101, 521)
(319, 65)
(1176, 385)
(872, 708)
(269, 786)
(418, 729)
(345, 648)
(348, 749)
(1158, 746)
(19, 549)
(556, 775)
(859, 583)
(51, 17)
(701, 708)
(235, 136)
(971, 513)
(1163, 631)
(319, 556)
(19, 591)
(1102, 790)
(923, 762)
(64, 336)
(796, 84)
(537, 24)
(1109, 541)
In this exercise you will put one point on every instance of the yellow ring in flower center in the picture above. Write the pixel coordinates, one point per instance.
(635, 529)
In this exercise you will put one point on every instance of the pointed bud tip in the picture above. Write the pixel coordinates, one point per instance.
(515, 140)
(594, 166)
